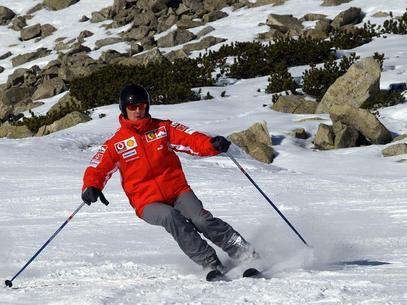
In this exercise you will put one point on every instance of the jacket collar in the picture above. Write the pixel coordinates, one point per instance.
(140, 126)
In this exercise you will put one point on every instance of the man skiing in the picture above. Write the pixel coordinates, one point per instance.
(143, 149)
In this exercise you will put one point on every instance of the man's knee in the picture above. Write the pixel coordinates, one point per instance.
(202, 220)
(159, 214)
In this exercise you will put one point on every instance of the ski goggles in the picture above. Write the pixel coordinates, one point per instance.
(140, 106)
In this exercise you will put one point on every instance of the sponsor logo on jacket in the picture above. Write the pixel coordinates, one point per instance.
(183, 128)
(125, 145)
(156, 134)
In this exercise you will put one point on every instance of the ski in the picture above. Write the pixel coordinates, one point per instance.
(253, 273)
(217, 276)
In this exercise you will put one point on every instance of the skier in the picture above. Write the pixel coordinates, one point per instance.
(154, 182)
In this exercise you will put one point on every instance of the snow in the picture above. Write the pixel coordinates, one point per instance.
(349, 204)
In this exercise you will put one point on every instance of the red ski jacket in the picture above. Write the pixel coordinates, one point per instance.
(143, 151)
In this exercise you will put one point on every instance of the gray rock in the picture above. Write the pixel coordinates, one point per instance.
(285, 24)
(70, 120)
(313, 17)
(136, 33)
(165, 22)
(187, 22)
(5, 55)
(49, 88)
(153, 55)
(363, 121)
(16, 94)
(65, 102)
(213, 16)
(345, 136)
(294, 104)
(1, 69)
(83, 35)
(400, 137)
(334, 2)
(14, 132)
(110, 55)
(395, 150)
(204, 43)
(153, 5)
(23, 58)
(174, 38)
(217, 5)
(101, 15)
(30, 32)
(265, 2)
(381, 14)
(299, 133)
(16, 78)
(325, 137)
(256, 141)
(176, 54)
(353, 15)
(56, 5)
(84, 18)
(35, 8)
(47, 30)
(6, 15)
(356, 87)
(206, 30)
(18, 23)
(107, 41)
(271, 35)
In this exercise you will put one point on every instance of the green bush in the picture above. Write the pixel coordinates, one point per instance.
(280, 80)
(385, 99)
(318, 80)
(396, 26)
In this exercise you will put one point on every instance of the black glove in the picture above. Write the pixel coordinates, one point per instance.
(220, 143)
(91, 194)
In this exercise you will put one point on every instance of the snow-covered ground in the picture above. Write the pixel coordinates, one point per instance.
(349, 204)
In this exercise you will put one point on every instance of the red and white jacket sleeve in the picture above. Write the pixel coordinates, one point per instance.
(184, 139)
(102, 166)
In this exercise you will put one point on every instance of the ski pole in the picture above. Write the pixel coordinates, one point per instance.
(267, 198)
(9, 283)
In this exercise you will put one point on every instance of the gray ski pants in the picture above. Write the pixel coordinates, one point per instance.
(185, 220)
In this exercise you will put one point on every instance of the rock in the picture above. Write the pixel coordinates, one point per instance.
(187, 22)
(35, 8)
(30, 32)
(1, 69)
(107, 41)
(213, 16)
(83, 35)
(23, 58)
(204, 43)
(294, 104)
(352, 15)
(345, 136)
(400, 137)
(164, 23)
(299, 133)
(334, 2)
(256, 141)
(176, 54)
(271, 35)
(78, 65)
(49, 88)
(84, 18)
(136, 33)
(16, 78)
(110, 55)
(363, 121)
(6, 15)
(67, 101)
(206, 30)
(356, 87)
(18, 23)
(258, 3)
(5, 55)
(24, 106)
(16, 94)
(14, 132)
(395, 150)
(381, 14)
(153, 55)
(100, 16)
(313, 17)
(175, 38)
(285, 24)
(56, 5)
(71, 119)
(398, 87)
(47, 30)
(217, 5)
(324, 139)
(153, 5)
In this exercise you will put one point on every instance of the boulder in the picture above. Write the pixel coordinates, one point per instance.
(400, 137)
(176, 54)
(18, 23)
(30, 32)
(35, 8)
(153, 55)
(258, 3)
(136, 33)
(313, 17)
(23, 58)
(256, 141)
(71, 119)
(395, 150)
(84, 34)
(325, 137)
(204, 43)
(334, 2)
(5, 55)
(107, 41)
(175, 38)
(381, 14)
(353, 15)
(356, 87)
(47, 30)
(165, 22)
(6, 15)
(363, 121)
(152, 5)
(16, 78)
(67, 101)
(213, 16)
(294, 104)
(49, 88)
(299, 133)
(101, 15)
(345, 136)
(16, 94)
(14, 132)
(187, 22)
(206, 30)
(56, 5)
(285, 24)
(217, 5)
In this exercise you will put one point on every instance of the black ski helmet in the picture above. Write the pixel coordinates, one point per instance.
(133, 94)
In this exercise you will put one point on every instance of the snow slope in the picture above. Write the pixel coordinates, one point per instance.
(349, 204)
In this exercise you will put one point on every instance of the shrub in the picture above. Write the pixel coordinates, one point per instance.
(385, 99)
(280, 80)
(395, 26)
(318, 80)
